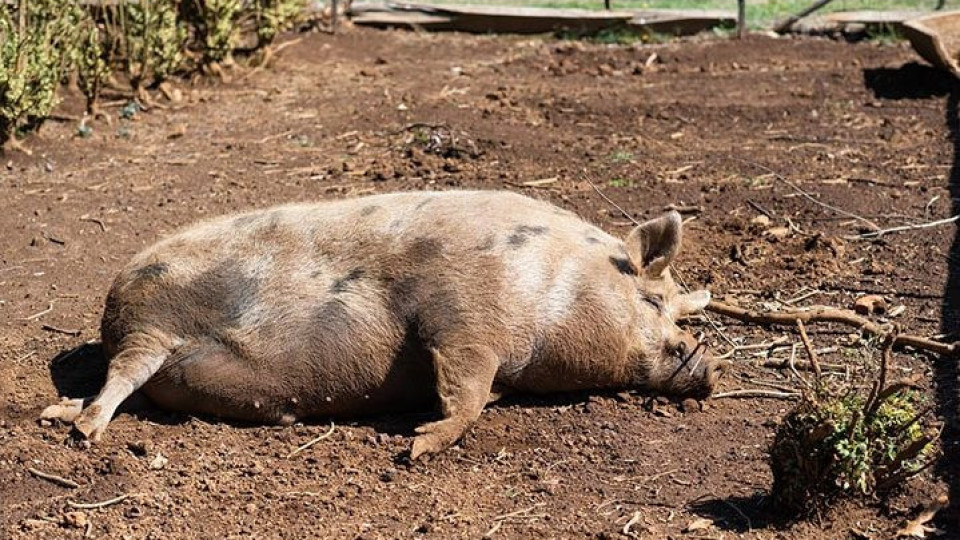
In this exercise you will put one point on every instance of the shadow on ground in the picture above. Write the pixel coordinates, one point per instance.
(79, 372)
(915, 81)
(739, 514)
(82, 371)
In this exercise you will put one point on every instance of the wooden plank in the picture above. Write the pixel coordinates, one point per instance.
(681, 22)
(936, 38)
(533, 20)
(856, 21)
(520, 20)
(510, 12)
(410, 20)
(872, 17)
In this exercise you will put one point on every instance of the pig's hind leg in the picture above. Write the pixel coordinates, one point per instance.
(464, 380)
(139, 358)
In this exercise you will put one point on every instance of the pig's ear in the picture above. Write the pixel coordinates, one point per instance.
(689, 303)
(653, 245)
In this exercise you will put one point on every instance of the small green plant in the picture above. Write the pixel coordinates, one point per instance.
(884, 34)
(725, 29)
(849, 444)
(45, 42)
(90, 61)
(620, 183)
(154, 41)
(621, 156)
(35, 38)
(217, 28)
(274, 16)
(617, 36)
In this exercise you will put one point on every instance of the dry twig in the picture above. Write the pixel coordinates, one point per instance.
(51, 328)
(811, 353)
(789, 22)
(85, 217)
(881, 232)
(518, 513)
(59, 480)
(756, 393)
(798, 365)
(834, 315)
(873, 226)
(39, 314)
(633, 521)
(493, 530)
(610, 202)
(766, 345)
(312, 442)
(540, 183)
(102, 504)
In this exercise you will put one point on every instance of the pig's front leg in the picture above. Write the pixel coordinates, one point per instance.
(464, 379)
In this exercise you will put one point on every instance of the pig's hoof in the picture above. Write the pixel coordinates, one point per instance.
(435, 437)
(91, 423)
(66, 411)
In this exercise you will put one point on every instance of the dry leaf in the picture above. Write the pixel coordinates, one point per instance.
(918, 528)
(698, 524)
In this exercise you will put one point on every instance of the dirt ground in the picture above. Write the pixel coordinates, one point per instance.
(697, 123)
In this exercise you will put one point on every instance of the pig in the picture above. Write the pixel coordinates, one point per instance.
(395, 302)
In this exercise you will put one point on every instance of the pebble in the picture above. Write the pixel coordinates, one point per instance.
(389, 475)
(159, 462)
(77, 520)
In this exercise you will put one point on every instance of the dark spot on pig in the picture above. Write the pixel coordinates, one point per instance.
(523, 232)
(531, 230)
(335, 328)
(335, 318)
(487, 243)
(223, 293)
(592, 240)
(624, 265)
(154, 270)
(340, 285)
(425, 304)
(424, 202)
(422, 249)
(516, 240)
(367, 210)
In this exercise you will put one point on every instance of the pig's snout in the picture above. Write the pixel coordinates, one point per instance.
(697, 370)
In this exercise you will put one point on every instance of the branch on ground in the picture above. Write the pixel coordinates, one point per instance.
(830, 315)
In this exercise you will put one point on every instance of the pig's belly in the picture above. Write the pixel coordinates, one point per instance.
(217, 376)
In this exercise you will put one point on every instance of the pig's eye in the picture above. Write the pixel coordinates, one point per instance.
(656, 301)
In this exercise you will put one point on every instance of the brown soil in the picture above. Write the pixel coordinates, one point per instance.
(857, 126)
